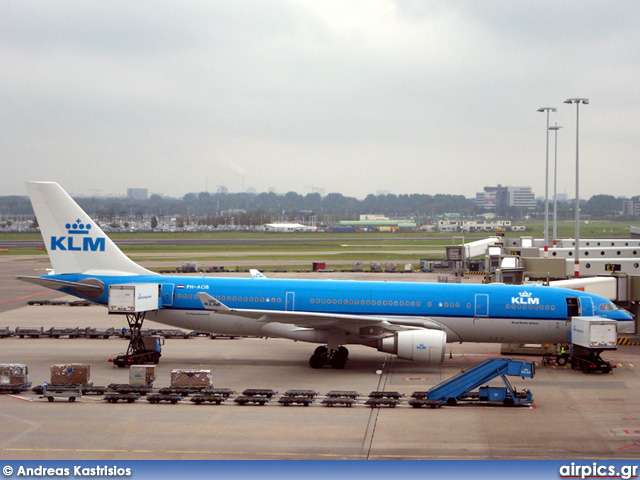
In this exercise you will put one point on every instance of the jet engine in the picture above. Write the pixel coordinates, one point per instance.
(424, 346)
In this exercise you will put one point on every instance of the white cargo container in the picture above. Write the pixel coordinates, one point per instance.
(594, 332)
(133, 297)
(142, 375)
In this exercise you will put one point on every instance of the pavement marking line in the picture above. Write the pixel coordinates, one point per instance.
(17, 397)
(25, 297)
(181, 452)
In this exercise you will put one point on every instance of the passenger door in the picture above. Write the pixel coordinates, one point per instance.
(586, 306)
(482, 305)
(166, 292)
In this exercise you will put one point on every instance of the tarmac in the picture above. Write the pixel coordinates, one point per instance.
(574, 416)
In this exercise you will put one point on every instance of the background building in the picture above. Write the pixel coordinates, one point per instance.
(631, 207)
(137, 193)
(506, 196)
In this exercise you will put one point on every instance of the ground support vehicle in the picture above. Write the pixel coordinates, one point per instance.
(301, 393)
(94, 390)
(159, 397)
(343, 394)
(184, 391)
(383, 394)
(259, 392)
(588, 360)
(5, 332)
(68, 392)
(419, 399)
(339, 402)
(290, 399)
(125, 397)
(374, 402)
(126, 388)
(14, 387)
(207, 397)
(91, 332)
(33, 332)
(142, 350)
(255, 399)
(54, 332)
(460, 388)
(174, 333)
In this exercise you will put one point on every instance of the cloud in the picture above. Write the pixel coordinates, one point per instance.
(352, 96)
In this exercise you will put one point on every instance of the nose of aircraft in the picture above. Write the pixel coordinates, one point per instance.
(621, 315)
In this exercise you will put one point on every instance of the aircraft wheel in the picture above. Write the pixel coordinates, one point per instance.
(317, 361)
(344, 351)
(338, 361)
(321, 350)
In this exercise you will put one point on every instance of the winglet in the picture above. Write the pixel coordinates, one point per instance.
(210, 303)
(256, 273)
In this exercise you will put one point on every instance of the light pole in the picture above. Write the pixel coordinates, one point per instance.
(546, 186)
(555, 128)
(577, 101)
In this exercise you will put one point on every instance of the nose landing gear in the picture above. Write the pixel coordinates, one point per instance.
(323, 356)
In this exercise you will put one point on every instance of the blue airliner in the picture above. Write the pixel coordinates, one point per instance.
(412, 320)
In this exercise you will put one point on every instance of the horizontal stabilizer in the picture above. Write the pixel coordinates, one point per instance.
(55, 284)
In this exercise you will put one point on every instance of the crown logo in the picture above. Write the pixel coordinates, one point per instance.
(525, 294)
(78, 228)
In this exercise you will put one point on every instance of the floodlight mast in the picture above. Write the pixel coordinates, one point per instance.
(546, 185)
(577, 101)
(555, 129)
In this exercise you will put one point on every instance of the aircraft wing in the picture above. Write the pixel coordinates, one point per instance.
(362, 324)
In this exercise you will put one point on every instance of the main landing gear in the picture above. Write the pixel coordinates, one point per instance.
(322, 356)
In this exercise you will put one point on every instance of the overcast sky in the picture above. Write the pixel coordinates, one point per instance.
(405, 96)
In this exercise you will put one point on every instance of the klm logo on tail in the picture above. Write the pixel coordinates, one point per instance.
(78, 239)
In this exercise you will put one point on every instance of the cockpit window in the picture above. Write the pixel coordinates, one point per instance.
(605, 307)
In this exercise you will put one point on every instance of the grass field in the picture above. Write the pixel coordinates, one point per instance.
(298, 251)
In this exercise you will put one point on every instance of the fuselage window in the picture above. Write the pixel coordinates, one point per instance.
(335, 301)
(262, 299)
(417, 304)
(469, 305)
(457, 305)
(312, 300)
(395, 303)
(507, 306)
(553, 307)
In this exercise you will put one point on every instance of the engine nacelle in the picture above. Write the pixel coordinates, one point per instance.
(424, 346)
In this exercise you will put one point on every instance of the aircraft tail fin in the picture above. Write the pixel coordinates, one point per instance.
(73, 240)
